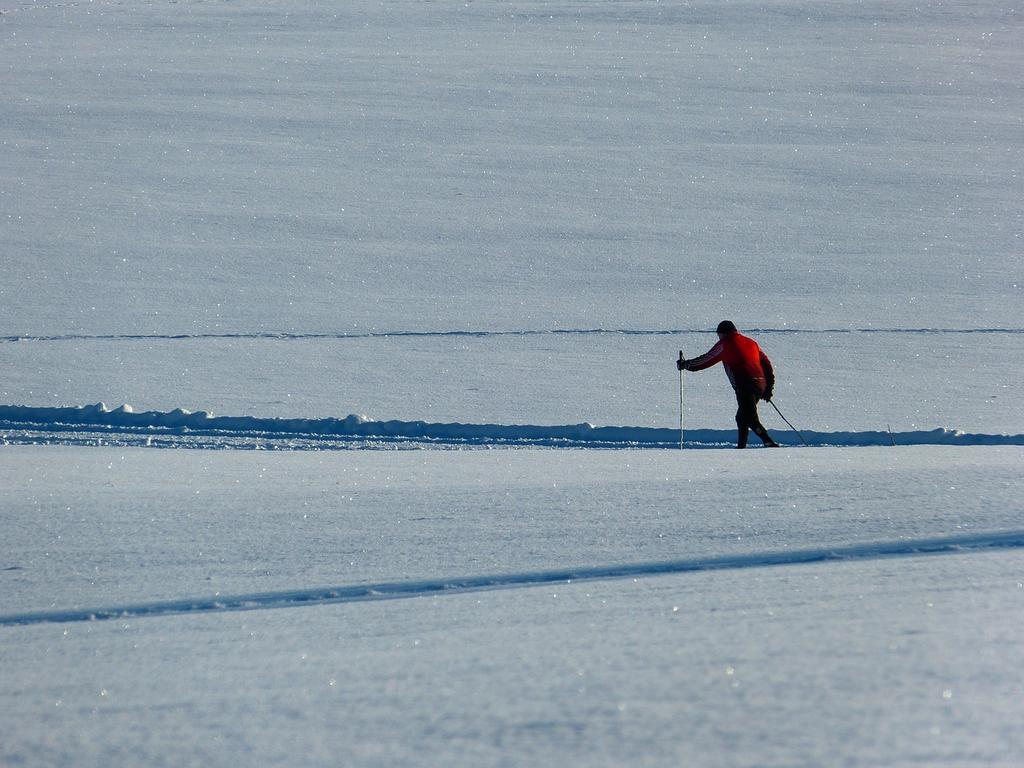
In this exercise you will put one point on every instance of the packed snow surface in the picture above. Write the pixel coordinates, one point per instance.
(125, 425)
(494, 225)
(279, 166)
(529, 607)
(903, 380)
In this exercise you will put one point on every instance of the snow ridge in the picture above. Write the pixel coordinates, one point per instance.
(125, 420)
(342, 335)
(460, 585)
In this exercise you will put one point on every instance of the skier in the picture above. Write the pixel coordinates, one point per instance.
(750, 372)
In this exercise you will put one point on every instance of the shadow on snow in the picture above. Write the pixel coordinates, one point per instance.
(461, 585)
(141, 427)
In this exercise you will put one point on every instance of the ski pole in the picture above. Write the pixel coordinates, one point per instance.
(681, 359)
(787, 421)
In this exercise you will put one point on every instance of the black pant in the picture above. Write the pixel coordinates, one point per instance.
(746, 415)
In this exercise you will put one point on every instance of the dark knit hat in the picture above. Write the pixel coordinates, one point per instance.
(726, 327)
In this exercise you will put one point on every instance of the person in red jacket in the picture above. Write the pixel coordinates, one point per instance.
(750, 372)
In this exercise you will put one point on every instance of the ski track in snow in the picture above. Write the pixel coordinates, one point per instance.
(290, 336)
(460, 585)
(122, 425)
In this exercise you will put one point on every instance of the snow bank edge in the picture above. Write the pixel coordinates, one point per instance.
(181, 420)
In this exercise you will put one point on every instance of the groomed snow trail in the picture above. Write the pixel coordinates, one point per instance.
(462, 584)
(341, 335)
(182, 428)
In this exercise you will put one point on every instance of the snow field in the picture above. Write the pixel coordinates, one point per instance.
(288, 166)
(846, 381)
(98, 527)
(895, 661)
(181, 182)
(899, 664)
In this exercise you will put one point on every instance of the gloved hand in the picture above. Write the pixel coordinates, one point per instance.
(767, 396)
(681, 364)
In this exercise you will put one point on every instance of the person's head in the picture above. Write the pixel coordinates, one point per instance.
(726, 328)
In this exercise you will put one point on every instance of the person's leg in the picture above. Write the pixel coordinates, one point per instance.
(746, 403)
(747, 419)
(760, 431)
(755, 424)
(742, 428)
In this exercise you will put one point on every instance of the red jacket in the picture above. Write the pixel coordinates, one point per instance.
(748, 367)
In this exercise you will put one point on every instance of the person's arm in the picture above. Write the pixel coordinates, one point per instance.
(769, 376)
(706, 360)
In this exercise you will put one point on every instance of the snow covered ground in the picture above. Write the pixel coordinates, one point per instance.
(509, 216)
(185, 167)
(857, 660)
(846, 381)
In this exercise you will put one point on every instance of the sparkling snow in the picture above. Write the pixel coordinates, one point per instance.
(511, 214)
